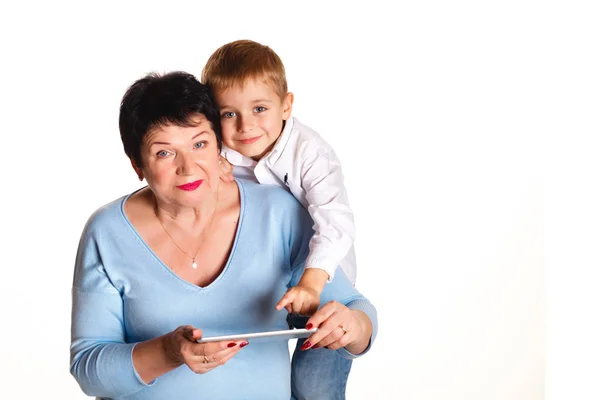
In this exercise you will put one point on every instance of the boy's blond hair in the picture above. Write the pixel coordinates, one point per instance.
(234, 63)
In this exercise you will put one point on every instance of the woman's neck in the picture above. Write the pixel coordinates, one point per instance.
(192, 220)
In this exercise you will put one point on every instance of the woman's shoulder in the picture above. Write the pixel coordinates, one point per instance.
(272, 205)
(257, 195)
(110, 214)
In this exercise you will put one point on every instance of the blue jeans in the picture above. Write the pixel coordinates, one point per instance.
(319, 374)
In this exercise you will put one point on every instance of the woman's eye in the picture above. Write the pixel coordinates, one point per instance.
(162, 153)
(228, 114)
(260, 109)
(200, 145)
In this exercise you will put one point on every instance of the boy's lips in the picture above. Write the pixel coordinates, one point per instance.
(250, 140)
(190, 186)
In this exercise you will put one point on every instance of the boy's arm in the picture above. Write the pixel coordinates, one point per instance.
(328, 205)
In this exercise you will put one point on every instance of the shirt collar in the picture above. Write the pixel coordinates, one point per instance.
(280, 144)
(236, 158)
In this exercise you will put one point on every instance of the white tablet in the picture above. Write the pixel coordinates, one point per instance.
(285, 334)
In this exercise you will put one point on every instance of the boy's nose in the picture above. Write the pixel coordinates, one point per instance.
(245, 124)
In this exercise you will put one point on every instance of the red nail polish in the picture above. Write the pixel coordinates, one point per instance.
(306, 345)
(309, 326)
(243, 344)
(230, 344)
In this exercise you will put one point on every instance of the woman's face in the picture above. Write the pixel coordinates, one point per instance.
(181, 163)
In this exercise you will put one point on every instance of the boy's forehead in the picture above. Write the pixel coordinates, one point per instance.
(259, 88)
(248, 84)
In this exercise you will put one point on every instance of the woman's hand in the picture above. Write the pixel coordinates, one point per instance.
(181, 347)
(339, 327)
(226, 170)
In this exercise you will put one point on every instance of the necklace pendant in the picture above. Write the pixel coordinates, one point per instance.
(194, 265)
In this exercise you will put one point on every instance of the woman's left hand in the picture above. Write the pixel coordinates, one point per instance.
(339, 327)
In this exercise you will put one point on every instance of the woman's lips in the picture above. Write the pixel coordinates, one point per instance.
(251, 140)
(191, 186)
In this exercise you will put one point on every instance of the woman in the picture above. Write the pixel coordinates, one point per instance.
(190, 255)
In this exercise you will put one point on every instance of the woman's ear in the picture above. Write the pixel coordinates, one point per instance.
(137, 170)
(287, 103)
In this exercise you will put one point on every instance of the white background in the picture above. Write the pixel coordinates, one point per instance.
(463, 128)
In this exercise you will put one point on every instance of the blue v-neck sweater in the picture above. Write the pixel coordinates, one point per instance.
(123, 294)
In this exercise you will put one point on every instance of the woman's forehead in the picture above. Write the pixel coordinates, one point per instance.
(194, 123)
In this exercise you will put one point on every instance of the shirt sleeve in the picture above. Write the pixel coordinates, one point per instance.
(101, 360)
(328, 205)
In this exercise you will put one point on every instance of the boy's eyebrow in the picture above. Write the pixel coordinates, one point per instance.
(253, 102)
(262, 101)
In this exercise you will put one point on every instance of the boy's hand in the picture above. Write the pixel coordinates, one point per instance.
(304, 298)
(226, 170)
(300, 300)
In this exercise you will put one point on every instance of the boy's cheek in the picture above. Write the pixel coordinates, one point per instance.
(227, 135)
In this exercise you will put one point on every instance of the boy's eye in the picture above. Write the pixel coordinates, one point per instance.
(200, 145)
(162, 153)
(260, 109)
(228, 114)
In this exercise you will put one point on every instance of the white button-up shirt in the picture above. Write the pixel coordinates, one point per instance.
(304, 164)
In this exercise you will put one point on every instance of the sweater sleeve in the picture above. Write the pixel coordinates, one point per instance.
(101, 360)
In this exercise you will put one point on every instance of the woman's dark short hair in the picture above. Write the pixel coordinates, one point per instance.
(155, 100)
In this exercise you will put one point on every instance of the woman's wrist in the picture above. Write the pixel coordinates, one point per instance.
(170, 356)
(366, 330)
(154, 357)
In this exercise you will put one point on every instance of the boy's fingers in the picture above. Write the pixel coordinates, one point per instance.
(297, 305)
(285, 300)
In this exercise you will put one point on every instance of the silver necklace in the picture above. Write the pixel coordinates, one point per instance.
(203, 236)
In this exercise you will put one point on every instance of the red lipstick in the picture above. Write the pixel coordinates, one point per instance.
(191, 186)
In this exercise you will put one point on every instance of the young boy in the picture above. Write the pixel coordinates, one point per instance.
(265, 144)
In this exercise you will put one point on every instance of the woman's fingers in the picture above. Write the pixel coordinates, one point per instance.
(223, 355)
(204, 357)
(190, 333)
(335, 323)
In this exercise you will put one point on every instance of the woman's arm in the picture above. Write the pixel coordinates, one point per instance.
(101, 360)
(341, 304)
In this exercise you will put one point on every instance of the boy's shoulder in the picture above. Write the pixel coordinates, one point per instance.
(304, 135)
(301, 142)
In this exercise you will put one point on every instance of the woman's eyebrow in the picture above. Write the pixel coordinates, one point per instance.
(200, 133)
(168, 143)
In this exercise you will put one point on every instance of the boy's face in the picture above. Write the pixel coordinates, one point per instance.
(252, 117)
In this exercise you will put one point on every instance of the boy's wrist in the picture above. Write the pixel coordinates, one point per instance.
(314, 278)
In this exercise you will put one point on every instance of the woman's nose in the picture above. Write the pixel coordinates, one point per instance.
(186, 164)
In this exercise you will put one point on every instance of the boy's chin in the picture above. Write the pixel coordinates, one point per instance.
(254, 152)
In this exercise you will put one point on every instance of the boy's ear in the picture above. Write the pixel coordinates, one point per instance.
(287, 103)
(137, 170)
